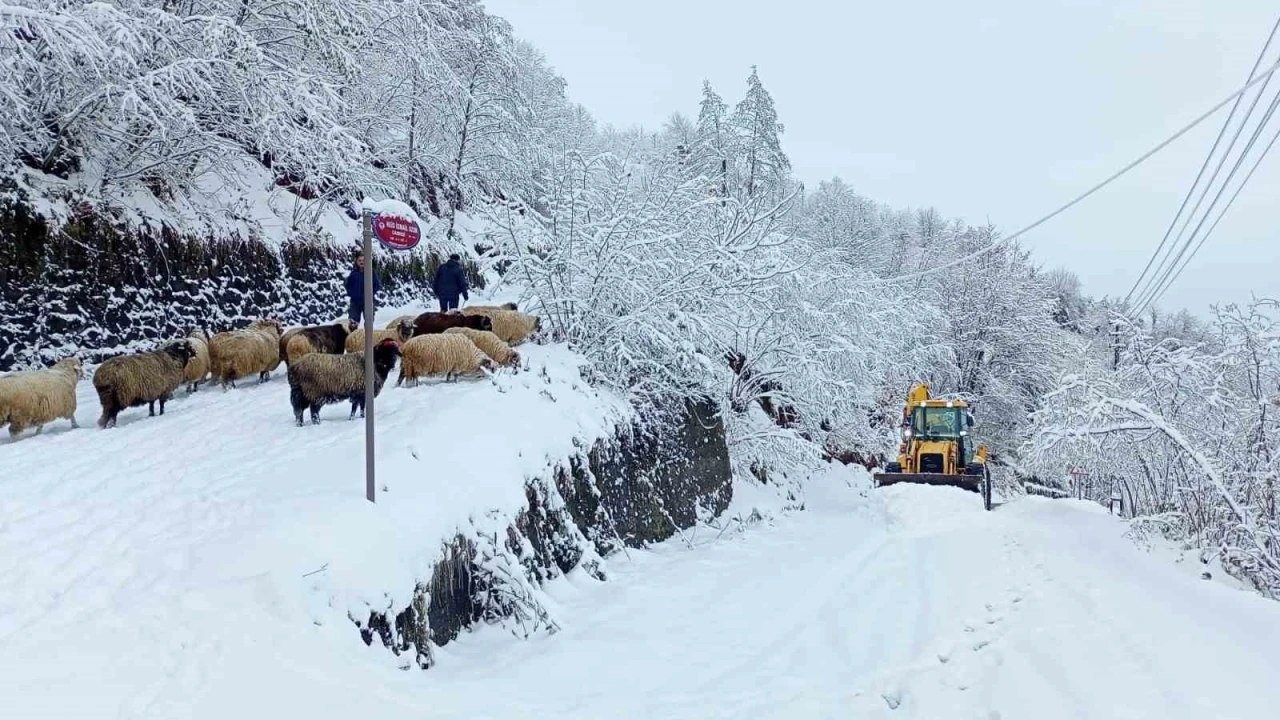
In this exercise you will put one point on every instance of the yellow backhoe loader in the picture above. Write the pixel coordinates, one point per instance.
(936, 448)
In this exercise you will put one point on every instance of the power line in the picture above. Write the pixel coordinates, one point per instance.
(1160, 285)
(1141, 159)
(1167, 284)
(1191, 190)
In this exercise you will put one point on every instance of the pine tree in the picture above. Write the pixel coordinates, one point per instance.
(756, 128)
(712, 145)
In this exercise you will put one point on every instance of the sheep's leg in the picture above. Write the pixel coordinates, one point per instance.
(163, 399)
(355, 406)
(74, 425)
(315, 414)
(39, 429)
(297, 416)
(151, 409)
(15, 429)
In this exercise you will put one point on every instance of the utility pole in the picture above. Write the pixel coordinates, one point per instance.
(1115, 346)
(368, 356)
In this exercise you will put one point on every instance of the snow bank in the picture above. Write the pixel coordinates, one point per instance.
(179, 549)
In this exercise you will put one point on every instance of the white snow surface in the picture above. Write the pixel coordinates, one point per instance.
(154, 569)
(157, 571)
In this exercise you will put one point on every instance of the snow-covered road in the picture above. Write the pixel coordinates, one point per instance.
(204, 564)
(913, 604)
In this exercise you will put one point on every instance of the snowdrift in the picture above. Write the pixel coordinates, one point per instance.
(188, 561)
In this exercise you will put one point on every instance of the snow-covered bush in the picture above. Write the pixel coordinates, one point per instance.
(1189, 433)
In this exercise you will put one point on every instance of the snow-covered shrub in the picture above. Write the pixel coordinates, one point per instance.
(1189, 433)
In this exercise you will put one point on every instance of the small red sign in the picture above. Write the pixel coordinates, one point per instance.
(396, 232)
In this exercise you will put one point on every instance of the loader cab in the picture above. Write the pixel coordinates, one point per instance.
(939, 423)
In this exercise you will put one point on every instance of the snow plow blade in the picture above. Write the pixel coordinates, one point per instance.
(972, 483)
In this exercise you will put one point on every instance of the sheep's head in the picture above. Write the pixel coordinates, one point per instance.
(514, 361)
(73, 363)
(182, 350)
(404, 329)
(510, 306)
(488, 364)
(385, 354)
(483, 322)
(346, 325)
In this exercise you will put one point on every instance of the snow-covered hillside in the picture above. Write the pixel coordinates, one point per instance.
(212, 554)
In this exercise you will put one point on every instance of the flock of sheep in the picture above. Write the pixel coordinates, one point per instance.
(325, 364)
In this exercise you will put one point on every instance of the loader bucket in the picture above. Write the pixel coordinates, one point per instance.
(980, 484)
(973, 483)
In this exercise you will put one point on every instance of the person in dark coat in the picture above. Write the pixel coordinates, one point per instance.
(450, 282)
(355, 289)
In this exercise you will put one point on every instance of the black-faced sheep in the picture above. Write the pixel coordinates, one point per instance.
(434, 322)
(490, 344)
(400, 333)
(329, 339)
(318, 379)
(237, 354)
(140, 379)
(197, 369)
(512, 326)
(33, 398)
(446, 354)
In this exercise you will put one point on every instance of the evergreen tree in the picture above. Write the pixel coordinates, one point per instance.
(764, 167)
(712, 146)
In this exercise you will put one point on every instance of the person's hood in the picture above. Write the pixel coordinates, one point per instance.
(451, 261)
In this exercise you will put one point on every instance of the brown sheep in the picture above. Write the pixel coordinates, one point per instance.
(512, 326)
(355, 341)
(320, 378)
(140, 379)
(36, 397)
(445, 354)
(238, 354)
(328, 339)
(490, 344)
(434, 322)
(289, 334)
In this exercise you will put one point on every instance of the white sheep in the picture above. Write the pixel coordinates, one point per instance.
(400, 333)
(33, 398)
(490, 344)
(446, 354)
(238, 354)
(512, 326)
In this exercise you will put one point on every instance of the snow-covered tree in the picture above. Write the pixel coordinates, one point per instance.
(764, 167)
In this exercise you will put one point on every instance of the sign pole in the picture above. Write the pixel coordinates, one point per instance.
(368, 356)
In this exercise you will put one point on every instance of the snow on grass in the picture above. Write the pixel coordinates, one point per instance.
(146, 562)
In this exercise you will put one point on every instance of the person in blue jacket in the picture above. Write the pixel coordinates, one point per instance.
(450, 282)
(355, 289)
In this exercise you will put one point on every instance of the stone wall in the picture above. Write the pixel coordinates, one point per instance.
(97, 286)
(627, 491)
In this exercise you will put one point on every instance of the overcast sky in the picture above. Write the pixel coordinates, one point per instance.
(992, 109)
